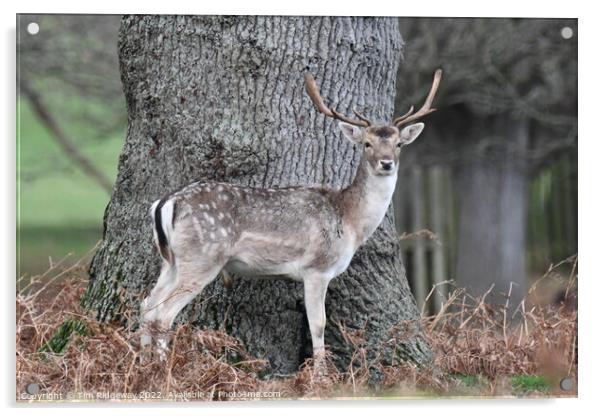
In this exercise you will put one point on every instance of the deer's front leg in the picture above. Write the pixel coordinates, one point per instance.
(315, 287)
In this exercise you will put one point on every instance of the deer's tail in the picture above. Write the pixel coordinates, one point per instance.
(162, 212)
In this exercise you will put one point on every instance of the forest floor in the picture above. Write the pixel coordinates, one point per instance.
(481, 349)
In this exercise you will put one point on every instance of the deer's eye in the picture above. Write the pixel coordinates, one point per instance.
(367, 145)
(399, 144)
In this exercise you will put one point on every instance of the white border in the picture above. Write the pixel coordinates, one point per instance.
(589, 190)
(506, 8)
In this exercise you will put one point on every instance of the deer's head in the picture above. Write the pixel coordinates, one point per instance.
(382, 144)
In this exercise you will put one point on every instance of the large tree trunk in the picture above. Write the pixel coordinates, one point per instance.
(491, 186)
(222, 98)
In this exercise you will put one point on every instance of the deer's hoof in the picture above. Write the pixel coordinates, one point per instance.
(162, 350)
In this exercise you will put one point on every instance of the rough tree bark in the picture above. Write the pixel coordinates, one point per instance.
(491, 186)
(222, 98)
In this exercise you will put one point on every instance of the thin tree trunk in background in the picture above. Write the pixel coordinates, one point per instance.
(493, 213)
(222, 98)
(419, 275)
(569, 197)
(437, 206)
(557, 215)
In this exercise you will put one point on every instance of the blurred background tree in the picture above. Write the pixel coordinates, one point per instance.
(504, 143)
(71, 124)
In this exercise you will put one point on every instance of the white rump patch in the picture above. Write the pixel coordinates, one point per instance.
(167, 218)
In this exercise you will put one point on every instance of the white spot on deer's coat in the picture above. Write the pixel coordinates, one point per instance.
(209, 218)
(197, 227)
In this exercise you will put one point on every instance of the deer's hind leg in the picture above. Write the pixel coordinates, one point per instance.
(188, 280)
(149, 306)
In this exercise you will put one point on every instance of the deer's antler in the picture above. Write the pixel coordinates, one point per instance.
(314, 93)
(426, 107)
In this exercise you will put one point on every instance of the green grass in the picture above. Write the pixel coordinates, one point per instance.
(59, 210)
(467, 380)
(520, 384)
(529, 384)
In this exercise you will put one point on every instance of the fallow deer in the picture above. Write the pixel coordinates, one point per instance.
(306, 234)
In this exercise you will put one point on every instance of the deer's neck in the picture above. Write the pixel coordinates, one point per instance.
(366, 200)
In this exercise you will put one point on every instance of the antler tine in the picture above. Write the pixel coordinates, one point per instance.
(406, 115)
(426, 107)
(361, 117)
(314, 93)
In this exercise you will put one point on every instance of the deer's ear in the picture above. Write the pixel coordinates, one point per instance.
(411, 133)
(353, 133)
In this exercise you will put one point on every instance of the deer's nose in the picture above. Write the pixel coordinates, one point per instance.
(386, 164)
